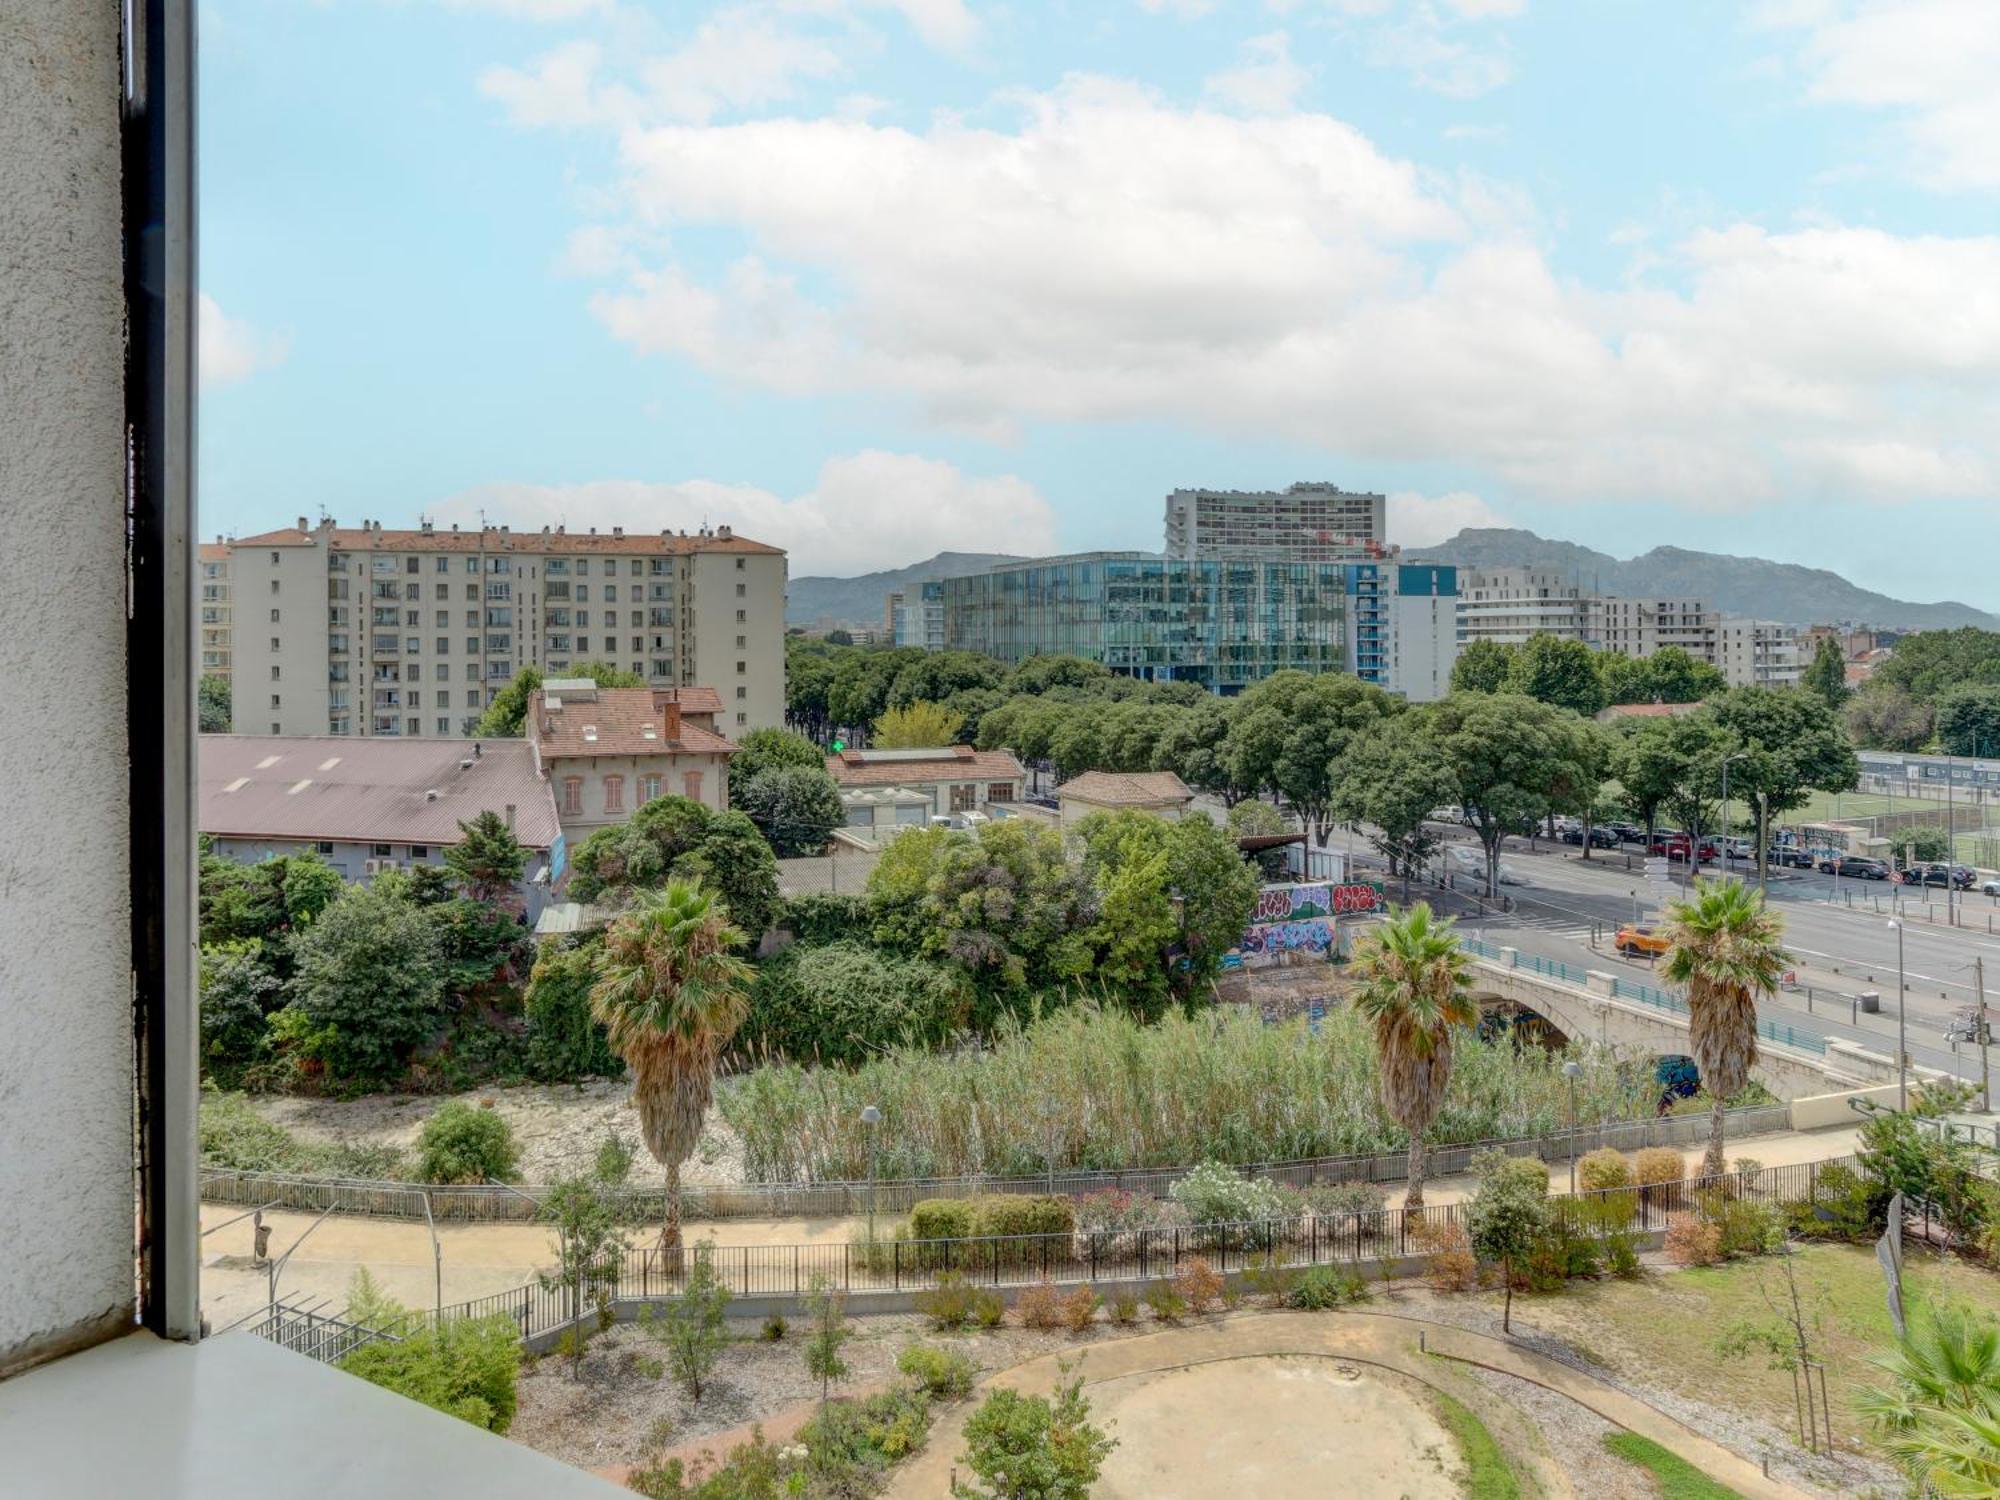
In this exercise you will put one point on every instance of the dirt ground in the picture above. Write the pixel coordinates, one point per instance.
(1278, 1426)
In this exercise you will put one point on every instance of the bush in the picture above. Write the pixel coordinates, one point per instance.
(461, 1143)
(1168, 1305)
(1499, 1172)
(1011, 1213)
(1214, 1194)
(851, 1444)
(818, 918)
(1199, 1285)
(369, 985)
(989, 1308)
(942, 1374)
(1109, 1222)
(1621, 1253)
(1039, 1306)
(1323, 1288)
(1035, 1447)
(1123, 1308)
(947, 1304)
(1694, 1242)
(846, 1002)
(1597, 1171)
(1745, 1226)
(1079, 1308)
(1560, 1255)
(774, 1329)
(943, 1219)
(565, 1042)
(466, 1368)
(1655, 1165)
(1452, 1267)
(1357, 1200)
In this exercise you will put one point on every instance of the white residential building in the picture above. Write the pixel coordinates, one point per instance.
(1307, 522)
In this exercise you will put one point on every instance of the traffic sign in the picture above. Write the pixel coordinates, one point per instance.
(1657, 871)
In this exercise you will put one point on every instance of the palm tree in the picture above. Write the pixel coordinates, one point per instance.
(671, 992)
(1413, 992)
(1941, 1419)
(1724, 947)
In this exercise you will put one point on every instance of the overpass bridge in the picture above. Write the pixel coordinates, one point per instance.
(1792, 1062)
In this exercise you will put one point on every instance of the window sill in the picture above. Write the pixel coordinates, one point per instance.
(236, 1418)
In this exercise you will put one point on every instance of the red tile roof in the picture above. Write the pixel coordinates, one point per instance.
(367, 790)
(698, 701)
(858, 768)
(620, 721)
(493, 539)
(1126, 788)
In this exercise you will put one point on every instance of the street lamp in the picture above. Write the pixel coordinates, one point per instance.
(1571, 1069)
(1902, 1005)
(871, 1120)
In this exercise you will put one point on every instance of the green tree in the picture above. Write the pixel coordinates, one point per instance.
(465, 1367)
(1939, 1412)
(1656, 760)
(1881, 716)
(677, 836)
(1034, 1447)
(464, 1143)
(1391, 779)
(590, 1254)
(845, 1002)
(671, 992)
(1790, 745)
(1193, 745)
(826, 1332)
(1513, 759)
(487, 861)
(1289, 731)
(1826, 678)
(1038, 674)
(1924, 843)
(565, 1040)
(1929, 662)
(1967, 720)
(370, 982)
(1215, 893)
(1724, 947)
(238, 994)
(936, 675)
(1507, 1217)
(916, 726)
(809, 671)
(760, 750)
(796, 808)
(1257, 818)
(212, 703)
(694, 1326)
(1413, 990)
(1559, 672)
(1669, 675)
(1483, 667)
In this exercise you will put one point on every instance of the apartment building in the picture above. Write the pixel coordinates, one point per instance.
(1759, 653)
(1508, 605)
(1639, 627)
(605, 752)
(212, 567)
(915, 617)
(1307, 522)
(371, 631)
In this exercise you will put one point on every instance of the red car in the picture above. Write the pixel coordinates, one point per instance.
(1677, 845)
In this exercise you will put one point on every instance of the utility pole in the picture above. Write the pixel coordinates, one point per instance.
(1985, 1034)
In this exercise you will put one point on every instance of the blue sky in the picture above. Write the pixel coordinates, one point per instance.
(869, 278)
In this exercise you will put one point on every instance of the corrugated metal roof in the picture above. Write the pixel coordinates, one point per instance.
(367, 790)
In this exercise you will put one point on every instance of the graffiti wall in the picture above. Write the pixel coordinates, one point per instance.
(1298, 923)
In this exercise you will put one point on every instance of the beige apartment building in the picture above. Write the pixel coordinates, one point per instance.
(216, 633)
(1508, 605)
(370, 631)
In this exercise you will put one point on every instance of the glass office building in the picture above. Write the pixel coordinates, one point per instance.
(1218, 622)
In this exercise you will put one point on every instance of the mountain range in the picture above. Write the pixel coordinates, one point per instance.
(1735, 585)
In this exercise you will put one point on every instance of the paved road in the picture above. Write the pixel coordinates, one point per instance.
(1570, 907)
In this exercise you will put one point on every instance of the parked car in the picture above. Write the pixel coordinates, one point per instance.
(1989, 887)
(1860, 867)
(1640, 942)
(1678, 845)
(1740, 848)
(1511, 876)
(1628, 833)
(1939, 874)
(1791, 856)
(1600, 838)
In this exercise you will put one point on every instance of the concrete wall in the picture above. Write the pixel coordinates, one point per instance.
(714, 655)
(66, 1193)
(1822, 1111)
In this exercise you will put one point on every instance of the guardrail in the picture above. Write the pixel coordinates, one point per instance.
(1090, 1258)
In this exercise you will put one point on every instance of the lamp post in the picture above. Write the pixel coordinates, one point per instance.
(871, 1121)
(1571, 1069)
(1902, 1006)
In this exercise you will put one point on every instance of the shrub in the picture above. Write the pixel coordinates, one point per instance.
(817, 918)
(774, 1329)
(1599, 1170)
(1079, 1308)
(1035, 1447)
(1747, 1167)
(1199, 1285)
(942, 1374)
(989, 1308)
(1694, 1242)
(1452, 1267)
(1845, 1206)
(1655, 1165)
(1560, 1254)
(1109, 1223)
(1325, 1287)
(368, 983)
(1013, 1213)
(1039, 1306)
(942, 1219)
(844, 1003)
(1355, 1200)
(694, 1326)
(1746, 1226)
(565, 1041)
(467, 1368)
(463, 1143)
(1217, 1194)
(852, 1444)
(1265, 1277)
(1621, 1253)
(1168, 1305)
(1123, 1309)
(947, 1304)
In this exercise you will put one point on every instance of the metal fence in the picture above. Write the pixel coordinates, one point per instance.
(1128, 1255)
(643, 1204)
(305, 1328)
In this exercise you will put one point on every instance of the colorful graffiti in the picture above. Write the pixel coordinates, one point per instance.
(1299, 920)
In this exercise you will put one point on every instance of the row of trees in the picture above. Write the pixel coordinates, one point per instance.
(1569, 674)
(1939, 691)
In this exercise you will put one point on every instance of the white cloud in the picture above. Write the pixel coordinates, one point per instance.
(1422, 44)
(1265, 79)
(867, 510)
(1425, 520)
(1935, 64)
(229, 349)
(1113, 257)
(1182, 10)
(536, 10)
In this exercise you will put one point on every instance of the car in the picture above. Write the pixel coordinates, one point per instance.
(1467, 858)
(1604, 838)
(1511, 876)
(1678, 847)
(1860, 867)
(1572, 834)
(1989, 887)
(1740, 848)
(1640, 942)
(1792, 857)
(1939, 874)
(1627, 833)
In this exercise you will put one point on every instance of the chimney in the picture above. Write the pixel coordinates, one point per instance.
(302, 523)
(477, 750)
(618, 531)
(510, 817)
(673, 726)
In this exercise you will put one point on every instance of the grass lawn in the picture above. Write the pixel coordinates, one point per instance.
(1488, 1475)
(1678, 1479)
(1663, 1329)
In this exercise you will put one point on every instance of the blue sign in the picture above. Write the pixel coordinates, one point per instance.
(558, 860)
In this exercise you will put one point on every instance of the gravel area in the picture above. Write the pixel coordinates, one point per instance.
(558, 1127)
(612, 1413)
(1574, 1436)
(1848, 1474)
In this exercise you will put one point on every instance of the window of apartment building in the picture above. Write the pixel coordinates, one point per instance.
(964, 798)
(274, 617)
(614, 794)
(636, 593)
(649, 788)
(636, 568)
(412, 617)
(274, 559)
(1000, 791)
(472, 591)
(583, 617)
(583, 593)
(471, 696)
(637, 664)
(572, 796)
(276, 728)
(277, 644)
(583, 642)
(442, 698)
(739, 565)
(472, 619)
(743, 718)
(742, 693)
(742, 641)
(443, 565)
(274, 585)
(443, 728)
(658, 669)
(441, 591)
(412, 564)
(443, 649)
(472, 668)
(742, 589)
(742, 616)
(275, 702)
(691, 785)
(583, 567)
(323, 846)
(416, 727)
(274, 674)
